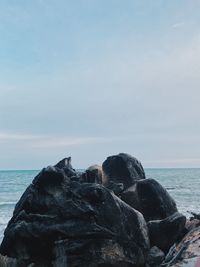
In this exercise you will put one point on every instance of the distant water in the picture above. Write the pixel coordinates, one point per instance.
(182, 184)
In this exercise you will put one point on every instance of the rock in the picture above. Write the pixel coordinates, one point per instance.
(8, 262)
(93, 174)
(60, 222)
(117, 189)
(66, 166)
(186, 253)
(122, 168)
(151, 199)
(164, 233)
(131, 197)
(192, 224)
(155, 257)
(195, 216)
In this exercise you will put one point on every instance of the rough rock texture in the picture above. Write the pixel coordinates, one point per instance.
(192, 224)
(8, 262)
(61, 222)
(122, 168)
(151, 199)
(186, 253)
(164, 233)
(66, 166)
(155, 257)
(93, 174)
(116, 188)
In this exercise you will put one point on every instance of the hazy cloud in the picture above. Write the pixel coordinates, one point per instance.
(98, 78)
(42, 141)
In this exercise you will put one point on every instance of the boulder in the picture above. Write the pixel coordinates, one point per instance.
(164, 233)
(151, 199)
(122, 168)
(62, 222)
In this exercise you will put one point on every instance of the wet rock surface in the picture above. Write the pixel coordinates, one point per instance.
(107, 216)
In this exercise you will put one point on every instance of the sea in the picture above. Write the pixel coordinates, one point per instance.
(182, 184)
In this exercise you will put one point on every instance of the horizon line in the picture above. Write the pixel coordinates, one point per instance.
(145, 168)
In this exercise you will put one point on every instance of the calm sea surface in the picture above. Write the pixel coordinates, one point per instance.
(182, 184)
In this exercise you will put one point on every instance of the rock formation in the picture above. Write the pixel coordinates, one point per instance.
(109, 216)
(57, 219)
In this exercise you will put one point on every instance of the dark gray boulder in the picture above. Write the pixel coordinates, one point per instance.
(164, 233)
(150, 198)
(61, 222)
(122, 168)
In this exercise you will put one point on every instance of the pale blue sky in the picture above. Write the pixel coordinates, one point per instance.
(94, 78)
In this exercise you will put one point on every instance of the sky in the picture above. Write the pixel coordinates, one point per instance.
(91, 78)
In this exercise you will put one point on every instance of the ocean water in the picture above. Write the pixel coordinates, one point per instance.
(182, 184)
